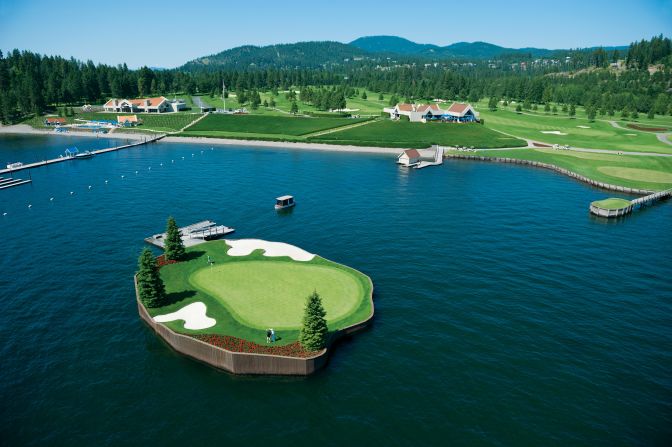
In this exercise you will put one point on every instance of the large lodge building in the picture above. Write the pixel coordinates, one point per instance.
(421, 113)
(147, 105)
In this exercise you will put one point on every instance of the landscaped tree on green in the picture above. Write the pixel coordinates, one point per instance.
(381, 97)
(591, 114)
(151, 290)
(492, 103)
(294, 108)
(519, 108)
(364, 95)
(547, 107)
(572, 110)
(313, 336)
(650, 115)
(173, 245)
(554, 110)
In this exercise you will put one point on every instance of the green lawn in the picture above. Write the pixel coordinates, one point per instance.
(265, 125)
(387, 133)
(247, 294)
(577, 132)
(164, 122)
(646, 172)
(612, 203)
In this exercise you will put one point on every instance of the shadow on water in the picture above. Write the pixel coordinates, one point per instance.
(286, 212)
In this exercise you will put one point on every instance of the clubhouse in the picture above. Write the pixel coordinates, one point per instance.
(159, 104)
(421, 113)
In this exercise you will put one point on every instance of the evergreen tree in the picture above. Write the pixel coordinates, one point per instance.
(572, 111)
(519, 108)
(381, 97)
(624, 112)
(554, 110)
(591, 114)
(547, 107)
(151, 289)
(650, 115)
(294, 108)
(635, 114)
(272, 103)
(173, 245)
(313, 335)
(492, 103)
(265, 103)
(364, 95)
(393, 100)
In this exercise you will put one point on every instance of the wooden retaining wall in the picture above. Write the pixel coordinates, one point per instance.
(553, 167)
(244, 362)
(604, 212)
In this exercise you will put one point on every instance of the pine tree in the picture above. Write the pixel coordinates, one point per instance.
(572, 110)
(313, 336)
(554, 110)
(294, 108)
(151, 290)
(492, 103)
(173, 244)
(650, 115)
(591, 114)
(519, 108)
(381, 97)
(364, 95)
(547, 108)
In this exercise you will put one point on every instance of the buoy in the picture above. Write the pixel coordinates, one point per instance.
(4, 214)
(122, 176)
(136, 172)
(149, 168)
(30, 206)
(72, 192)
(172, 161)
(182, 158)
(105, 181)
(89, 186)
(51, 199)
(160, 164)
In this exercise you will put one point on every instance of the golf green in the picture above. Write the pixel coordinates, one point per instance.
(265, 294)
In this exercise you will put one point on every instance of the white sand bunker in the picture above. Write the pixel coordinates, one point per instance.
(583, 127)
(554, 132)
(193, 315)
(631, 134)
(244, 247)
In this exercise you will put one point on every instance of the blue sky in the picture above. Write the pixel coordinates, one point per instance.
(168, 33)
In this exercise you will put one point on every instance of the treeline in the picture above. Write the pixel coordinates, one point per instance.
(32, 83)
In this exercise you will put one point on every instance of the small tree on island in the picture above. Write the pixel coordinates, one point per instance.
(173, 244)
(151, 290)
(313, 336)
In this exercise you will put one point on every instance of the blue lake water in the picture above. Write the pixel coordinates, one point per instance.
(505, 313)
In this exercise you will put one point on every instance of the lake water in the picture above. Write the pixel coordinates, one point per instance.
(505, 314)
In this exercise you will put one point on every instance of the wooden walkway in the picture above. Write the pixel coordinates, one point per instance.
(651, 198)
(194, 234)
(96, 152)
(636, 203)
(438, 159)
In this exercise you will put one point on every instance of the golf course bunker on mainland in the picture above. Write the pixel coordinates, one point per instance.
(227, 293)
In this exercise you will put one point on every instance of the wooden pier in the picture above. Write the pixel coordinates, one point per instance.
(194, 234)
(8, 182)
(438, 159)
(61, 159)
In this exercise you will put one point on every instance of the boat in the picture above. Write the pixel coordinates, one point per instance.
(85, 154)
(283, 202)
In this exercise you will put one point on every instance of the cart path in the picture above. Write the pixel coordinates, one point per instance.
(338, 129)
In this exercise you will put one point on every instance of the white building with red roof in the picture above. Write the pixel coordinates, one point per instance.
(421, 113)
(159, 104)
(409, 157)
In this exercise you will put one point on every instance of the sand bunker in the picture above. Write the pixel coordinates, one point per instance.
(631, 134)
(244, 247)
(583, 127)
(554, 132)
(193, 315)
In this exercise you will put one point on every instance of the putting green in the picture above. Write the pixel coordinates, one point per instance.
(265, 294)
(612, 204)
(646, 175)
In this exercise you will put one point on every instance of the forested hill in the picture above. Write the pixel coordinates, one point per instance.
(461, 50)
(295, 55)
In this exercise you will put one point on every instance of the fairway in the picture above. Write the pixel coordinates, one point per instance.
(272, 294)
(387, 133)
(266, 125)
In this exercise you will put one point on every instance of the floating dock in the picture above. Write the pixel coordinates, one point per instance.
(8, 182)
(650, 199)
(61, 159)
(194, 234)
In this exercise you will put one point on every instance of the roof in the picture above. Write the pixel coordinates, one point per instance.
(423, 107)
(405, 107)
(55, 120)
(153, 102)
(458, 108)
(411, 153)
(284, 197)
(127, 118)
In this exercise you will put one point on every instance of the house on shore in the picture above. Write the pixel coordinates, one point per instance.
(51, 121)
(159, 104)
(409, 157)
(127, 120)
(421, 113)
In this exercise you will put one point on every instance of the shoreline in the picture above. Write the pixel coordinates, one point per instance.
(25, 129)
(288, 145)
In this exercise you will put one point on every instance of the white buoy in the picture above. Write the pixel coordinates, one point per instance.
(182, 158)
(89, 186)
(149, 168)
(160, 164)
(172, 161)
(30, 206)
(51, 199)
(105, 181)
(136, 172)
(122, 176)
(72, 192)
(4, 214)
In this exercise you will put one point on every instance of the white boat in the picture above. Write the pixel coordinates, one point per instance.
(86, 154)
(283, 202)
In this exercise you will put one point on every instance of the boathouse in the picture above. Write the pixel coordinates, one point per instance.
(409, 157)
(54, 121)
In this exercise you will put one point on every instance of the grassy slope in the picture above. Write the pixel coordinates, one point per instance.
(388, 133)
(619, 167)
(182, 292)
(165, 122)
(599, 135)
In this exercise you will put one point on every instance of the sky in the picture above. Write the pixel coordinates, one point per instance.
(168, 33)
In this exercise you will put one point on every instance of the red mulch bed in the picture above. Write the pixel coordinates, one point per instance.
(161, 260)
(647, 129)
(541, 145)
(239, 345)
